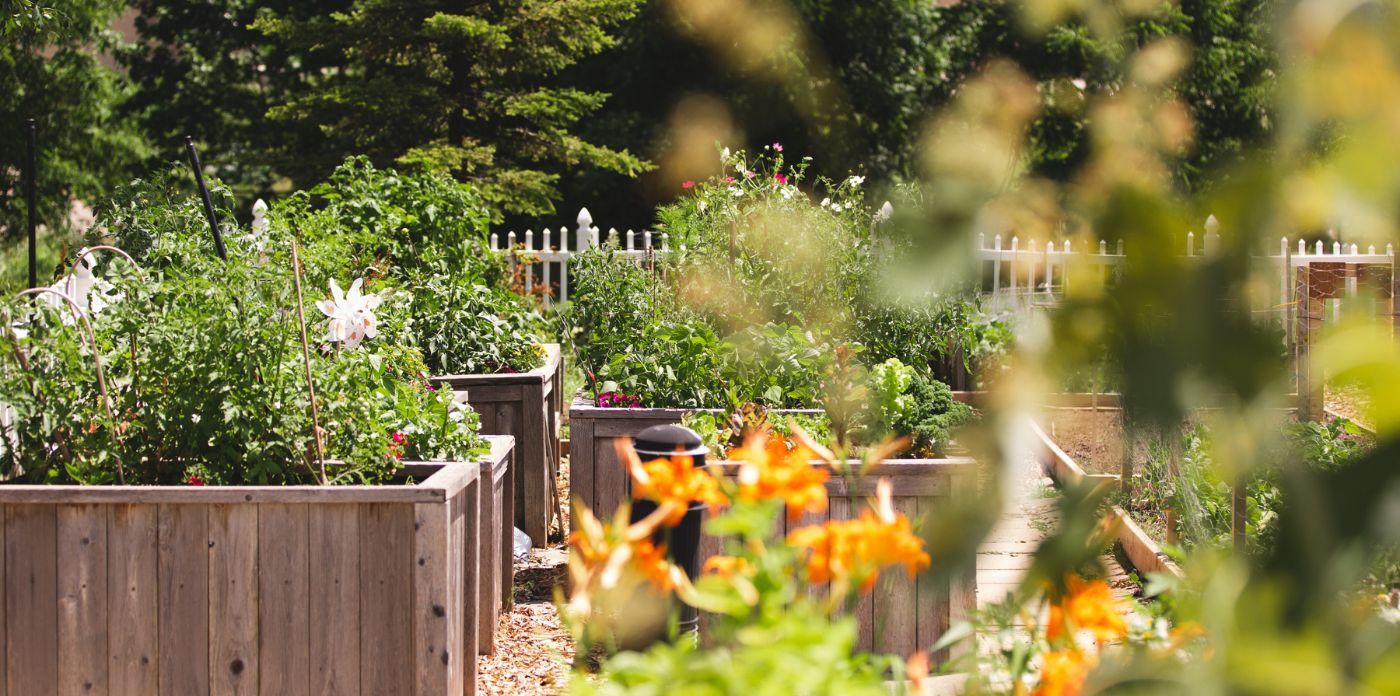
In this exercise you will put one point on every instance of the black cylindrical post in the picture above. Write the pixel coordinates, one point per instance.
(31, 198)
(204, 195)
(683, 540)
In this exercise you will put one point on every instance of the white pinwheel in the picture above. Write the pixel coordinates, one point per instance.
(351, 314)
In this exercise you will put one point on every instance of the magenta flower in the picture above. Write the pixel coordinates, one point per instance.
(780, 178)
(687, 184)
(778, 147)
(619, 400)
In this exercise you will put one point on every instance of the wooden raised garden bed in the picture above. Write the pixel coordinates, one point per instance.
(250, 589)
(902, 614)
(526, 406)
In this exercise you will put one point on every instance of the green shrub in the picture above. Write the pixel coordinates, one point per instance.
(204, 368)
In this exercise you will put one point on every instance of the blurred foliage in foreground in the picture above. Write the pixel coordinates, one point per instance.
(1178, 335)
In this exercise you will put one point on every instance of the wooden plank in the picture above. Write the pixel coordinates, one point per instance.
(211, 495)
(433, 622)
(183, 579)
(333, 554)
(31, 592)
(896, 603)
(233, 599)
(386, 631)
(457, 598)
(504, 482)
(132, 603)
(610, 481)
(481, 395)
(3, 586)
(532, 466)
(471, 588)
(82, 599)
(581, 483)
(817, 591)
(931, 595)
(962, 584)
(628, 427)
(284, 600)
(491, 511)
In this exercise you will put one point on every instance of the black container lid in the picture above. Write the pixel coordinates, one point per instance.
(664, 440)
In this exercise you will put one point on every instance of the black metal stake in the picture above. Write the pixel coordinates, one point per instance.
(204, 194)
(31, 197)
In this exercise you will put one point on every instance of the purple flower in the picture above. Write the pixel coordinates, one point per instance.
(614, 399)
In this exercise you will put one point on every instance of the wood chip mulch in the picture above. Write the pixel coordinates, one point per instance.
(533, 649)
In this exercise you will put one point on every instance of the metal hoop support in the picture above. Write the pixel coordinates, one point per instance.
(81, 316)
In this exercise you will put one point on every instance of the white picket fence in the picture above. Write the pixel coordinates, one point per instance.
(1033, 275)
(546, 255)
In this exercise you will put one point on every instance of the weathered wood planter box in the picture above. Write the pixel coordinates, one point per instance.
(901, 615)
(253, 589)
(526, 406)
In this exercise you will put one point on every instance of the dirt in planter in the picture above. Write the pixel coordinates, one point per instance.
(1093, 439)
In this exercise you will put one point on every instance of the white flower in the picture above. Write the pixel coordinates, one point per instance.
(351, 314)
(702, 206)
(855, 180)
(724, 154)
(735, 191)
(835, 207)
(786, 192)
(256, 239)
(826, 202)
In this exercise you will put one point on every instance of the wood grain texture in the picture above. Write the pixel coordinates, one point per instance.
(233, 599)
(895, 603)
(962, 585)
(431, 617)
(183, 579)
(471, 588)
(284, 600)
(931, 596)
(333, 555)
(386, 629)
(457, 597)
(504, 482)
(31, 584)
(132, 600)
(582, 485)
(82, 599)
(535, 497)
(491, 509)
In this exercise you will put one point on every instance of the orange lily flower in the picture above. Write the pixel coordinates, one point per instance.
(767, 470)
(1063, 673)
(673, 483)
(1087, 606)
(840, 550)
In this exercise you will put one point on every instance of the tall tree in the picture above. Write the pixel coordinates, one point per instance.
(469, 87)
(52, 70)
(204, 71)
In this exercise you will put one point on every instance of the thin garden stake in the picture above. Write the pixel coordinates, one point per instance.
(31, 195)
(306, 359)
(204, 195)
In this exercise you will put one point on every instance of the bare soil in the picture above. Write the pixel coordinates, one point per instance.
(1093, 439)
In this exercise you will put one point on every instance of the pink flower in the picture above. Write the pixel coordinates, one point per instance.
(778, 147)
(780, 178)
(728, 179)
(398, 437)
(194, 480)
(687, 184)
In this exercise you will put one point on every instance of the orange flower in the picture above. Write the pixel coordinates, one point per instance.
(842, 550)
(1087, 606)
(650, 560)
(1063, 673)
(727, 566)
(601, 554)
(768, 470)
(672, 483)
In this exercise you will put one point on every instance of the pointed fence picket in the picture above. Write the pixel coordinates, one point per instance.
(546, 256)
